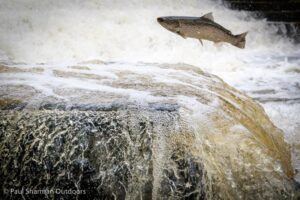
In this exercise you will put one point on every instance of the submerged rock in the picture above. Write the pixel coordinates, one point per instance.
(136, 131)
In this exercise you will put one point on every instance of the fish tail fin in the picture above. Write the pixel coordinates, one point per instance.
(240, 40)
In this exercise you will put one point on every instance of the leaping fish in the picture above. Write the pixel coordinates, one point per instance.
(202, 28)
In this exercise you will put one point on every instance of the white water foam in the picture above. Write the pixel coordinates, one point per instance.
(51, 31)
(114, 30)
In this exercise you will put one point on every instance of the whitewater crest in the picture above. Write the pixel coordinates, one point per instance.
(137, 130)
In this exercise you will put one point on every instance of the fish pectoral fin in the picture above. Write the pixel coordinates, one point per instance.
(201, 42)
(208, 16)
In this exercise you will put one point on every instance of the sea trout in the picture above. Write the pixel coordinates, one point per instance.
(202, 28)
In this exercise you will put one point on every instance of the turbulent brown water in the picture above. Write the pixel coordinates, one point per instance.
(127, 131)
(195, 135)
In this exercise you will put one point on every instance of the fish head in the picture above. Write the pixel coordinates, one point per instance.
(170, 23)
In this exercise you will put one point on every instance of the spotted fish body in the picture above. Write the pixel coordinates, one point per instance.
(202, 28)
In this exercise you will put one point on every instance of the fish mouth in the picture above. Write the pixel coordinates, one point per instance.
(160, 19)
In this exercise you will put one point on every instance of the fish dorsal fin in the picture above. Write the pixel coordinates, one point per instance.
(208, 16)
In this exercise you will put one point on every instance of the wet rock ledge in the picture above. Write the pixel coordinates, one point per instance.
(99, 130)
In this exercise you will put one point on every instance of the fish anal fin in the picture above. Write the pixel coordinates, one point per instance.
(218, 44)
(208, 16)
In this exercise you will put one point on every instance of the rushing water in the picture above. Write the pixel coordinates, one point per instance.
(61, 32)
(161, 131)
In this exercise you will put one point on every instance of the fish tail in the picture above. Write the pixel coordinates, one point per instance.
(240, 40)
